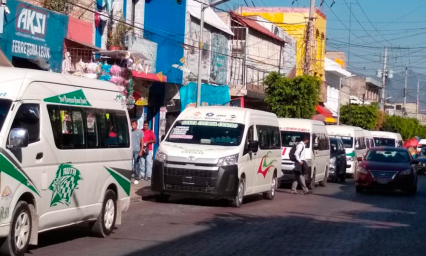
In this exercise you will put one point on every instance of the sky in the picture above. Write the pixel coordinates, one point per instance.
(400, 25)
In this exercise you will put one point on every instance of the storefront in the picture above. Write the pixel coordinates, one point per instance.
(33, 37)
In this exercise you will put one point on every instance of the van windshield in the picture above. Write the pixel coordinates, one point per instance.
(384, 142)
(4, 109)
(206, 132)
(288, 139)
(348, 141)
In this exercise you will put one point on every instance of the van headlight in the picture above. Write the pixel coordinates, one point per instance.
(362, 170)
(160, 156)
(228, 160)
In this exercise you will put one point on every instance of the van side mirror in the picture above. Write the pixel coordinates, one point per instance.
(253, 146)
(18, 138)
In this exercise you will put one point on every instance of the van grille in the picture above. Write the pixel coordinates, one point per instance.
(190, 188)
(190, 172)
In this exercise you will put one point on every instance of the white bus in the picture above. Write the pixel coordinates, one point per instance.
(219, 152)
(65, 156)
(354, 141)
(387, 139)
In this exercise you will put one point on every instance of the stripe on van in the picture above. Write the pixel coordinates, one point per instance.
(9, 166)
(352, 154)
(121, 179)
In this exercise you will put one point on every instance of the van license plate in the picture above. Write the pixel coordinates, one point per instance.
(383, 181)
(188, 180)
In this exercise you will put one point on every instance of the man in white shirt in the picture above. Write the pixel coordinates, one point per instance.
(300, 167)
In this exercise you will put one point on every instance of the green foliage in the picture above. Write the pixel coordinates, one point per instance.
(364, 116)
(292, 97)
(407, 127)
(62, 6)
(118, 32)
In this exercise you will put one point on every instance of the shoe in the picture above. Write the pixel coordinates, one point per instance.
(308, 193)
(294, 192)
(136, 182)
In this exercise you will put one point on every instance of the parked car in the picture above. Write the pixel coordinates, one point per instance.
(421, 157)
(387, 168)
(337, 160)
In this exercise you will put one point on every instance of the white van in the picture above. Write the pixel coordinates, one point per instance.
(387, 139)
(421, 145)
(354, 141)
(219, 152)
(317, 153)
(65, 155)
(369, 139)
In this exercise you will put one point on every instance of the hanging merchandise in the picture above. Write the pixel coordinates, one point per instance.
(97, 19)
(108, 5)
(91, 70)
(80, 68)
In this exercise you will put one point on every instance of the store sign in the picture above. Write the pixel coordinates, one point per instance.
(34, 33)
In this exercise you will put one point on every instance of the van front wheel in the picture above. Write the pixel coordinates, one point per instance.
(271, 193)
(238, 199)
(105, 223)
(16, 244)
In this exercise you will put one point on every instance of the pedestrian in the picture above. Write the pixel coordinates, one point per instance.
(150, 139)
(138, 147)
(300, 167)
(412, 151)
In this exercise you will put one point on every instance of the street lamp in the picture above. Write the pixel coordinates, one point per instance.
(203, 8)
(338, 102)
(418, 92)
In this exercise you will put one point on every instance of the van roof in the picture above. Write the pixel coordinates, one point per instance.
(383, 134)
(297, 123)
(24, 77)
(222, 113)
(342, 129)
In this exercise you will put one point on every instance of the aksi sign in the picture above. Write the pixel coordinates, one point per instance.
(31, 20)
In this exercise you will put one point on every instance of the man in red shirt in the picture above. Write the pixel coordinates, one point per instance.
(146, 161)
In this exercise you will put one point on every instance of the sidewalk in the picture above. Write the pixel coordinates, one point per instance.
(143, 189)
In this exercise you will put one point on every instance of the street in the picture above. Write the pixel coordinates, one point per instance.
(333, 221)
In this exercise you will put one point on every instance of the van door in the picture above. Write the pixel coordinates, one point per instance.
(30, 161)
(321, 157)
(249, 161)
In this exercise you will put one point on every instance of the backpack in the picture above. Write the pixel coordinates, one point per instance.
(293, 151)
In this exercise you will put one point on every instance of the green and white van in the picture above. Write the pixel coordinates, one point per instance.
(353, 139)
(65, 155)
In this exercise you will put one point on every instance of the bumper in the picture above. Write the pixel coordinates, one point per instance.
(399, 182)
(351, 168)
(222, 183)
(4, 229)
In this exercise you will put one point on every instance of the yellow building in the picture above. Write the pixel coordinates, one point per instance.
(294, 22)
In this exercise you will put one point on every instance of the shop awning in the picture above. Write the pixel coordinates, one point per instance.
(77, 44)
(318, 117)
(326, 113)
(4, 61)
(149, 76)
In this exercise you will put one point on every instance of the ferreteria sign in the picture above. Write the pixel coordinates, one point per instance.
(32, 32)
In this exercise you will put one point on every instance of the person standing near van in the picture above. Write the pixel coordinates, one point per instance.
(149, 137)
(138, 149)
(300, 167)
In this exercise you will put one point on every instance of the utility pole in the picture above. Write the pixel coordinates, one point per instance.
(350, 26)
(309, 40)
(384, 75)
(417, 102)
(405, 88)
(363, 99)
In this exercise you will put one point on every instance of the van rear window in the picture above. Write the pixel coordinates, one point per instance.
(288, 139)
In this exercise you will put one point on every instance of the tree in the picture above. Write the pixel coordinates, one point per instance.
(407, 127)
(364, 116)
(292, 97)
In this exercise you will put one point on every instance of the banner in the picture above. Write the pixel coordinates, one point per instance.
(210, 95)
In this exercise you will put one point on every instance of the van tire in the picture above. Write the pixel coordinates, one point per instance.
(311, 185)
(162, 198)
(104, 227)
(323, 183)
(237, 201)
(271, 193)
(21, 214)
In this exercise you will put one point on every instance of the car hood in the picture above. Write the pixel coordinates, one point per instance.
(385, 166)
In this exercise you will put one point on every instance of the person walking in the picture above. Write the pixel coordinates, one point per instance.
(138, 148)
(300, 167)
(150, 139)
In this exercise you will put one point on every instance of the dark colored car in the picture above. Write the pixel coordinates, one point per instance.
(387, 168)
(338, 162)
(421, 158)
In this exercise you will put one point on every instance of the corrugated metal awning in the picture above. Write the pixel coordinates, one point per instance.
(210, 17)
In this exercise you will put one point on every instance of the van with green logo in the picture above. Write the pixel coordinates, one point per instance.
(353, 139)
(219, 152)
(65, 156)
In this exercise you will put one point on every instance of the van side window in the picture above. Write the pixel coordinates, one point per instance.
(92, 128)
(28, 117)
(114, 129)
(269, 137)
(323, 141)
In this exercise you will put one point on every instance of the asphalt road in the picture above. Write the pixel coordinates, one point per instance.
(333, 221)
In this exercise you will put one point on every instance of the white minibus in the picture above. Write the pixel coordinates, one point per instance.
(387, 139)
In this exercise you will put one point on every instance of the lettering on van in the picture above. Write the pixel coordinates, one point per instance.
(265, 166)
(76, 98)
(294, 129)
(64, 184)
(193, 151)
(4, 213)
